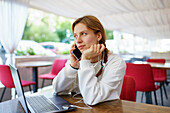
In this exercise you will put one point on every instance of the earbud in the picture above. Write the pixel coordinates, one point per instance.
(104, 64)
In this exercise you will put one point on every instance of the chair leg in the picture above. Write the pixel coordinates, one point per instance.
(3, 92)
(155, 98)
(30, 88)
(165, 90)
(142, 96)
(166, 82)
(161, 93)
(15, 93)
(136, 95)
(42, 83)
(148, 96)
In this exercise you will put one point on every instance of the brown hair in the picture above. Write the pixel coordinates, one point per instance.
(94, 24)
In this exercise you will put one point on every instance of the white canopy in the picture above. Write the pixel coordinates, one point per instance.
(145, 18)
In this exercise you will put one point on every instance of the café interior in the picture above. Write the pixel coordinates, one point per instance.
(146, 90)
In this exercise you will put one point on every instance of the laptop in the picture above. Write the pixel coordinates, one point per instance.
(39, 103)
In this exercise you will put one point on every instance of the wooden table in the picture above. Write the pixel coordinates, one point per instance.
(34, 66)
(116, 106)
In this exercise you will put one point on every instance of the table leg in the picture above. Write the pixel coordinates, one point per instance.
(35, 78)
(148, 97)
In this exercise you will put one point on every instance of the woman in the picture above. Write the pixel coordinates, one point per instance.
(98, 76)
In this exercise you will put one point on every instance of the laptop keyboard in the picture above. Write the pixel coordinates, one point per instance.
(41, 104)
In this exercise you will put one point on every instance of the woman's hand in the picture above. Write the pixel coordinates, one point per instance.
(74, 62)
(94, 51)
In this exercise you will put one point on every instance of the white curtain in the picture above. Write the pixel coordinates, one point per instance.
(13, 15)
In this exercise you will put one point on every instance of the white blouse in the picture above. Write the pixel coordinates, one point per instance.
(93, 89)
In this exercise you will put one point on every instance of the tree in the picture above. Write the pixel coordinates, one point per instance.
(57, 30)
(40, 33)
(61, 29)
(109, 34)
(47, 32)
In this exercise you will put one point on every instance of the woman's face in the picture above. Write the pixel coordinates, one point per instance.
(85, 37)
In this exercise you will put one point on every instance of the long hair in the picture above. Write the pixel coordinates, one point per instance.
(94, 24)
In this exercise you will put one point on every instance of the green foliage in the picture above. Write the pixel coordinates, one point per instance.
(123, 52)
(45, 20)
(65, 52)
(61, 33)
(122, 37)
(29, 51)
(47, 32)
(20, 53)
(57, 30)
(109, 34)
(61, 29)
(39, 33)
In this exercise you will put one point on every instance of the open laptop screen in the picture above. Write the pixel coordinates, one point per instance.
(19, 88)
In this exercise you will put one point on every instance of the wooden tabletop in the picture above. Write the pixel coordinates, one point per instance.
(155, 65)
(120, 106)
(34, 64)
(115, 106)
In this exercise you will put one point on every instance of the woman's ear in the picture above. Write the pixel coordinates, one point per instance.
(99, 36)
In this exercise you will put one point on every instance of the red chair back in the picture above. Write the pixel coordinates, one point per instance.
(159, 74)
(142, 73)
(156, 60)
(58, 65)
(128, 89)
(6, 76)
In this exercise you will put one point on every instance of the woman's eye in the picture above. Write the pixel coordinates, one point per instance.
(84, 33)
(75, 36)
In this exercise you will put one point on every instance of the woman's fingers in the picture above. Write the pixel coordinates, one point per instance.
(72, 47)
(102, 48)
(98, 48)
(93, 51)
(71, 50)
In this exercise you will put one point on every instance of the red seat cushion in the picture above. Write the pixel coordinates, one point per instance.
(6, 77)
(56, 68)
(47, 76)
(27, 83)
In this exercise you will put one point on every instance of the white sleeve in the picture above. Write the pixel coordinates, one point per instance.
(63, 81)
(108, 88)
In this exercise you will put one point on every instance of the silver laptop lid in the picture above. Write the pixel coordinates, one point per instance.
(18, 87)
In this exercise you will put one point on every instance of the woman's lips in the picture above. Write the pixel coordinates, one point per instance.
(81, 47)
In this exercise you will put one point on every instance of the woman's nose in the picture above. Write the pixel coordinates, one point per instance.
(79, 39)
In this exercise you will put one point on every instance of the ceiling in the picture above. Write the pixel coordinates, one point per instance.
(146, 18)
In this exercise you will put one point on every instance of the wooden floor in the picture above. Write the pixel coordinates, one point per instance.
(165, 101)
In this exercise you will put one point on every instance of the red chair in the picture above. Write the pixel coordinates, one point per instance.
(56, 68)
(7, 81)
(128, 89)
(159, 76)
(142, 73)
(156, 60)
